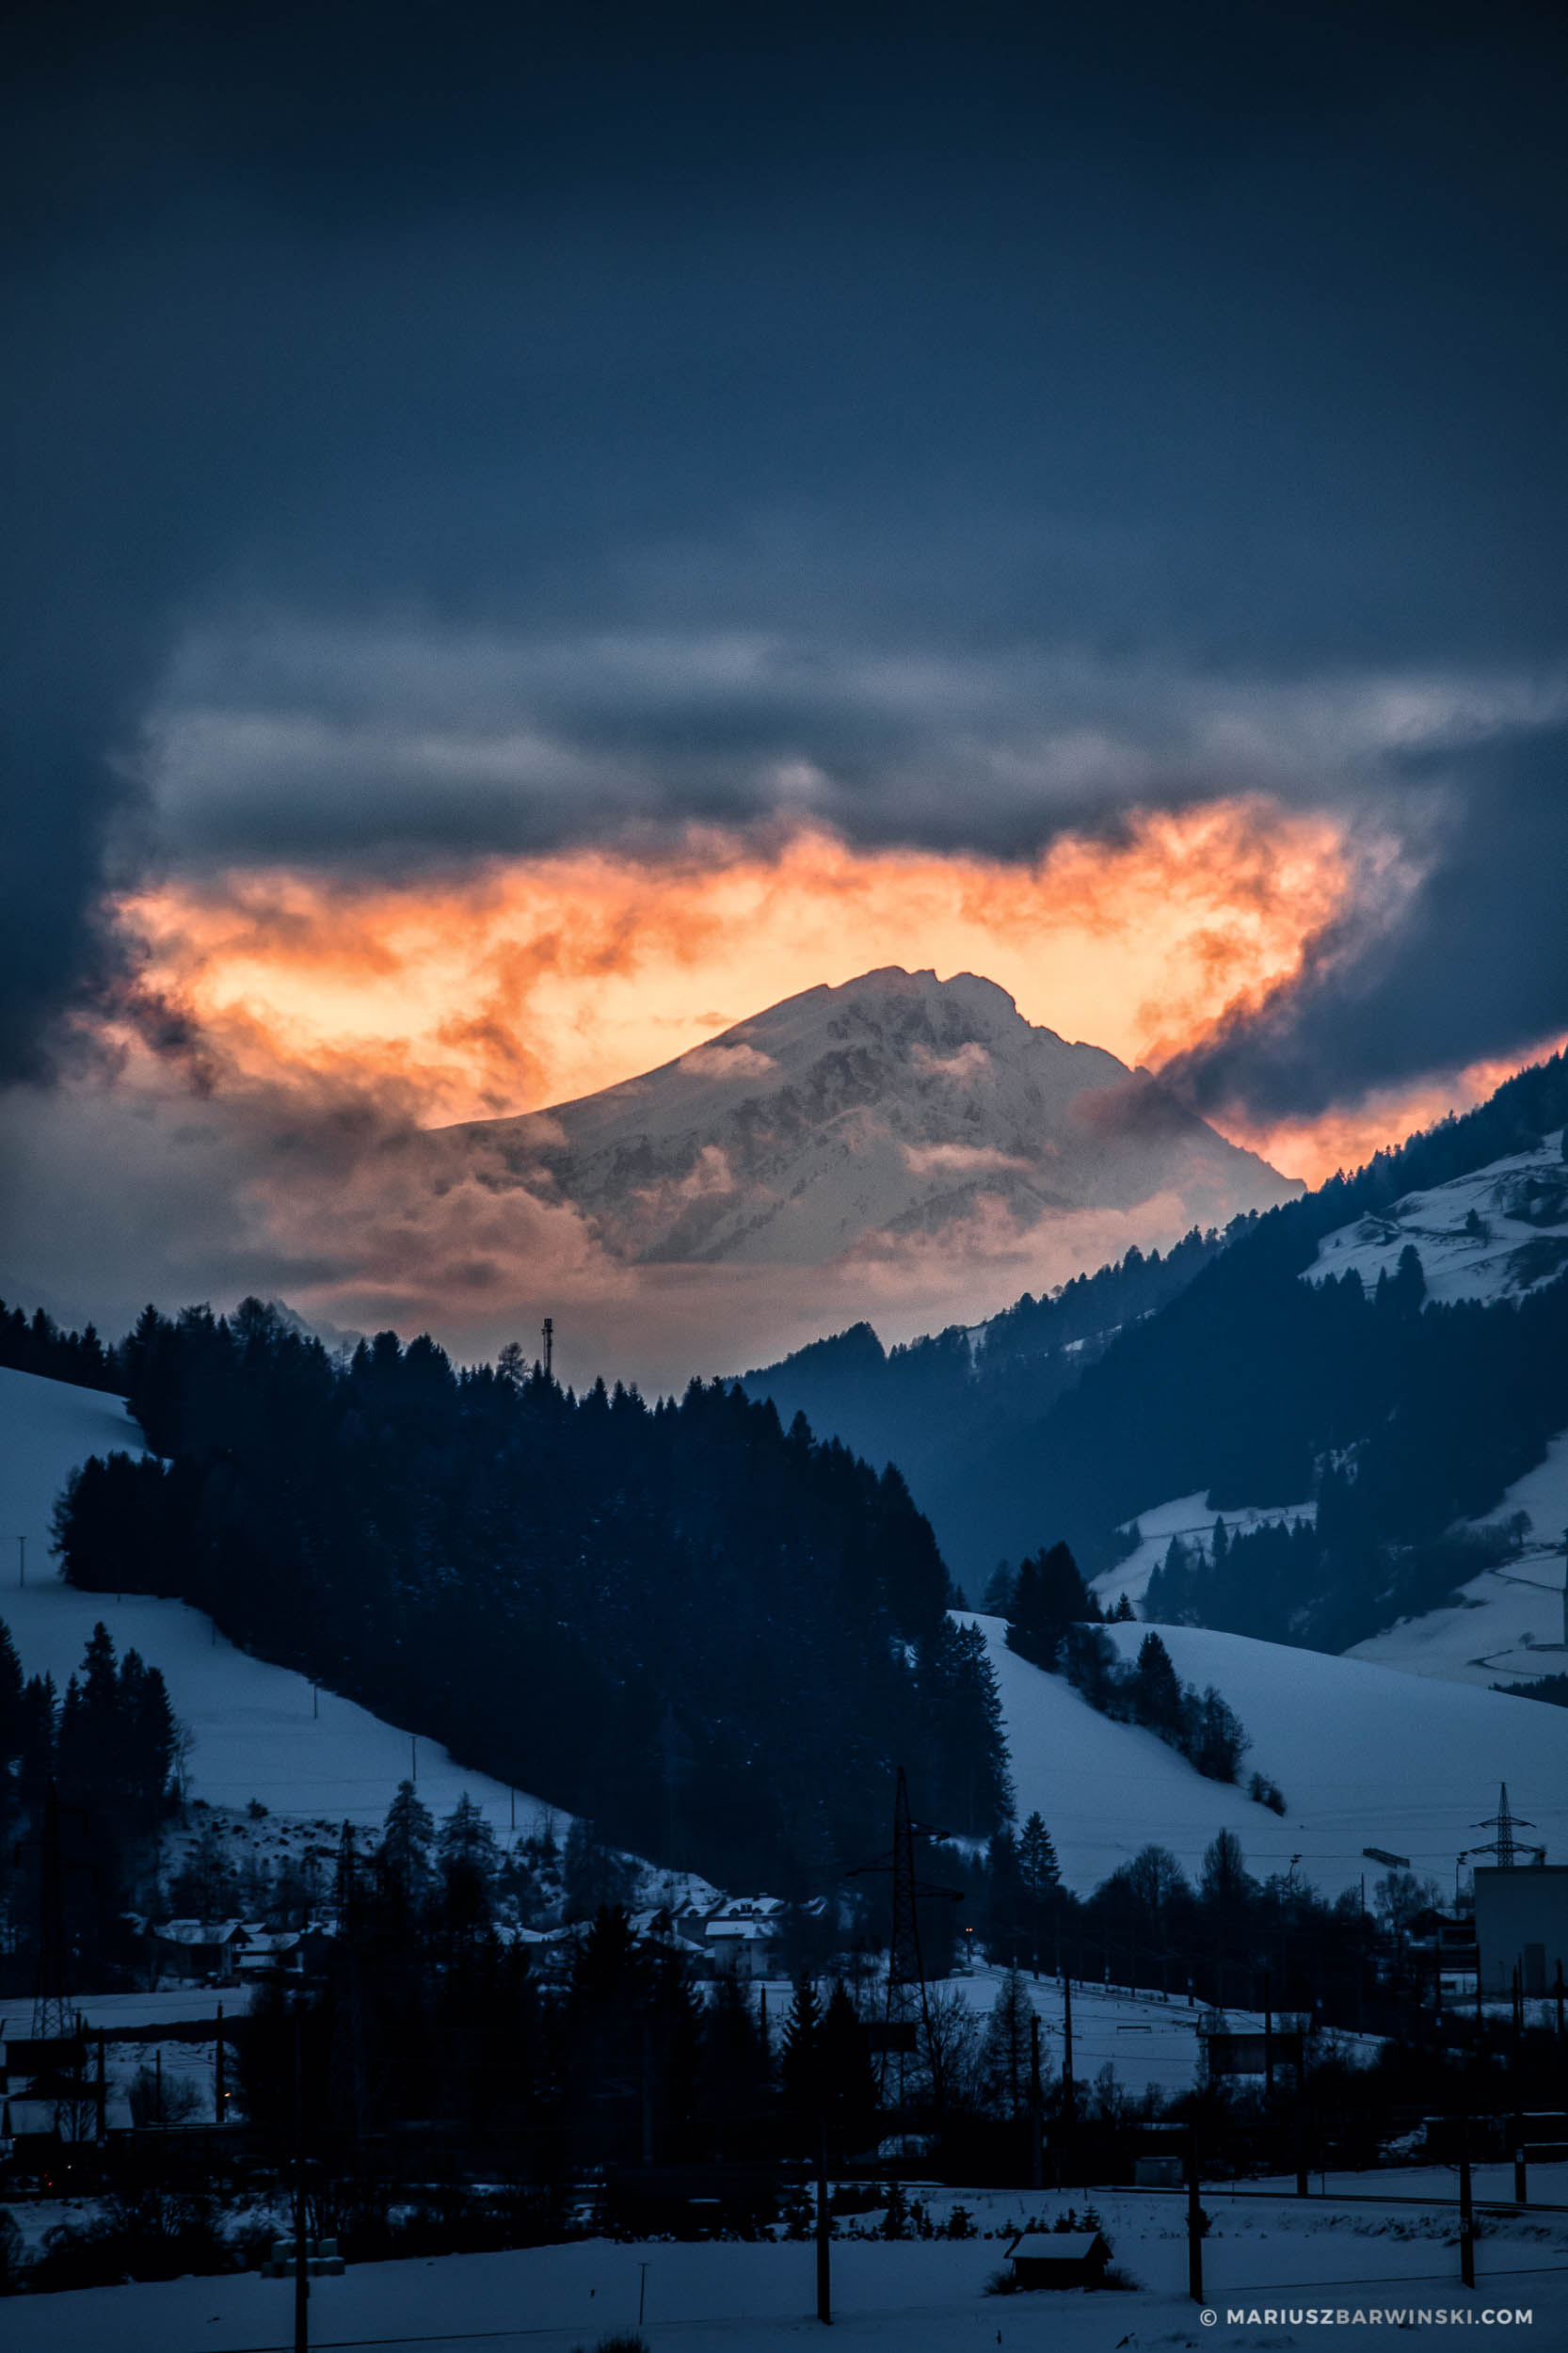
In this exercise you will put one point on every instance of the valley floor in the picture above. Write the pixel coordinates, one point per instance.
(1264, 2257)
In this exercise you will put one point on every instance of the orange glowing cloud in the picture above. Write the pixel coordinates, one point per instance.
(527, 982)
(1347, 1139)
(337, 1022)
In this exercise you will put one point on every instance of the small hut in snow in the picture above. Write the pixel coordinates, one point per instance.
(1059, 2259)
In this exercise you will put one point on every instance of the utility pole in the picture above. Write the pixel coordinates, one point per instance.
(1505, 1846)
(1036, 2166)
(907, 2004)
(52, 2017)
(301, 2268)
(1068, 2088)
(21, 1560)
(1466, 2208)
(1194, 2220)
(1300, 2112)
(549, 1337)
(824, 2231)
(220, 2089)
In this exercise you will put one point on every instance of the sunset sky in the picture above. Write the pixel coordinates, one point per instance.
(537, 535)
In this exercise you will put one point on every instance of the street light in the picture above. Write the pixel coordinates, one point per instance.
(1462, 1857)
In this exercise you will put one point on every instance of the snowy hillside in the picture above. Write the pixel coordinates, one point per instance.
(1191, 1518)
(1365, 1756)
(258, 1731)
(47, 1429)
(1498, 1232)
(1511, 1621)
(896, 1104)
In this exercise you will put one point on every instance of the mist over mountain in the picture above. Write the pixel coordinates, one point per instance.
(866, 1118)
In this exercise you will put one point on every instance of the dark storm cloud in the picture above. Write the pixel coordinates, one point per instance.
(1475, 964)
(1015, 399)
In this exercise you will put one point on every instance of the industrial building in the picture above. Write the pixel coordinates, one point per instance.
(1522, 1922)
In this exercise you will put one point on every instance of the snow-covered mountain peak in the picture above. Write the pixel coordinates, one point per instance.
(868, 1116)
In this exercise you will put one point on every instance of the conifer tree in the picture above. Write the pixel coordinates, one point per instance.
(1038, 1868)
(801, 2079)
(469, 1861)
(404, 1853)
(10, 1703)
(847, 2073)
(1156, 1688)
(1005, 2051)
(1004, 1897)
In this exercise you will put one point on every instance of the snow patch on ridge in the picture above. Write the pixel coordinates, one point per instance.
(1495, 1234)
(1191, 1517)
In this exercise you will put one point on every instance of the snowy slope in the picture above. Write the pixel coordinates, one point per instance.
(1365, 1756)
(1498, 1232)
(259, 1731)
(895, 1104)
(1510, 1623)
(1191, 1517)
(47, 1429)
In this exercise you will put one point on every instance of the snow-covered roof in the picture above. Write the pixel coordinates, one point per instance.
(266, 1944)
(197, 1931)
(741, 1931)
(1062, 2246)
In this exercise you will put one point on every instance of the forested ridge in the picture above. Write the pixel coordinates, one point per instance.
(1219, 1370)
(1400, 1414)
(939, 1402)
(715, 1637)
(36, 1344)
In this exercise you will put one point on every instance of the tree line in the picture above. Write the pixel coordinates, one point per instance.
(1057, 1624)
(36, 1343)
(714, 1635)
(1399, 1417)
(109, 1746)
(942, 1401)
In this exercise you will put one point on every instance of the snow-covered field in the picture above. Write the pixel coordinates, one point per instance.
(1366, 1757)
(910, 2296)
(1146, 2038)
(1496, 1233)
(258, 1731)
